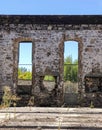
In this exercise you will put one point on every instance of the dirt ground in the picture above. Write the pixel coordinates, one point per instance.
(37, 118)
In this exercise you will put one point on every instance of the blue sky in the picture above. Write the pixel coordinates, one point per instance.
(52, 7)
(25, 53)
(71, 49)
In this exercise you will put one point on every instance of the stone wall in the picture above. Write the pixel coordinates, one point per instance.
(48, 48)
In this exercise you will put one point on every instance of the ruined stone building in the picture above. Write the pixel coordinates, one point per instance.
(47, 35)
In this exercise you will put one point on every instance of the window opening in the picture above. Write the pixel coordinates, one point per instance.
(49, 82)
(25, 63)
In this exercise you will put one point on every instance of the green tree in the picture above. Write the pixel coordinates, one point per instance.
(70, 69)
(67, 68)
(24, 74)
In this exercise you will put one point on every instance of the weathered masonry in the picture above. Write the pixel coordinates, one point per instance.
(47, 35)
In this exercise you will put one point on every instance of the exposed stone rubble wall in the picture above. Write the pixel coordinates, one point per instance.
(48, 49)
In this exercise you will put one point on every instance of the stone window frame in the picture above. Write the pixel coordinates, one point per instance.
(16, 58)
(80, 66)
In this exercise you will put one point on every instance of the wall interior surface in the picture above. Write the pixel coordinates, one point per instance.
(48, 39)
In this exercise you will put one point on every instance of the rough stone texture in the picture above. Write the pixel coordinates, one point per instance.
(93, 82)
(48, 36)
(35, 118)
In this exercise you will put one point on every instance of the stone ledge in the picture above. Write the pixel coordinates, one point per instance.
(51, 19)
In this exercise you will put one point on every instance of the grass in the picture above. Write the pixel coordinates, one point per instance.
(8, 100)
(70, 87)
(91, 104)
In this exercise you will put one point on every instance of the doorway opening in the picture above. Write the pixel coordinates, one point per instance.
(70, 71)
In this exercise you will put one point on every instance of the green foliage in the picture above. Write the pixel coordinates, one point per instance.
(48, 78)
(24, 74)
(91, 104)
(68, 60)
(70, 69)
(7, 97)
